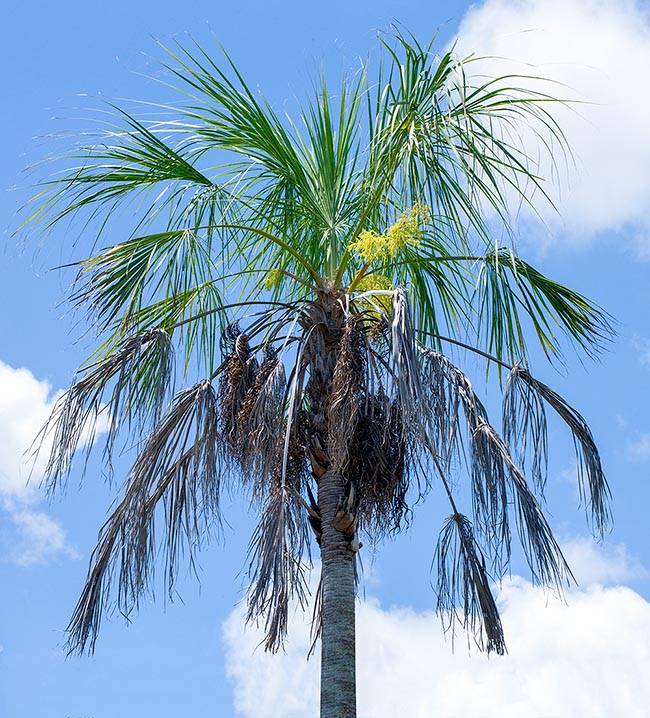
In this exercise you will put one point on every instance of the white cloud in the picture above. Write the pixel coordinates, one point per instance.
(639, 450)
(600, 51)
(588, 657)
(40, 538)
(25, 404)
(607, 565)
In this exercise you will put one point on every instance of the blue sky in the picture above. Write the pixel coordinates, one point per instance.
(191, 656)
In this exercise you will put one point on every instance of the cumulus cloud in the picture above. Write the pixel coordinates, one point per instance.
(606, 565)
(599, 50)
(25, 404)
(586, 657)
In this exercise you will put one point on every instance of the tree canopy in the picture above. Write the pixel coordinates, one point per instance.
(304, 280)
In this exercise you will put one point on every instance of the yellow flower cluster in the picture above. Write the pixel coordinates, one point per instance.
(373, 281)
(406, 232)
(272, 279)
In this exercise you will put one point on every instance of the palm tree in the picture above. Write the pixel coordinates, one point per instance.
(313, 278)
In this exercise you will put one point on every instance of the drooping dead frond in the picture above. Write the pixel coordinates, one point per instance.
(524, 426)
(274, 460)
(594, 490)
(276, 551)
(490, 495)
(179, 465)
(453, 390)
(347, 393)
(498, 483)
(444, 404)
(406, 369)
(464, 585)
(543, 553)
(130, 385)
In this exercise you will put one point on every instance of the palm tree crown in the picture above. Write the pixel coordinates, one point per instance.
(311, 277)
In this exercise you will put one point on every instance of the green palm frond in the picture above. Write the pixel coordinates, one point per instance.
(508, 287)
(119, 280)
(126, 160)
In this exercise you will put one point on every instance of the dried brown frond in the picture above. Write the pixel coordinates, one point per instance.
(277, 550)
(498, 483)
(543, 553)
(463, 585)
(444, 405)
(179, 465)
(296, 468)
(130, 385)
(524, 426)
(289, 466)
(452, 392)
(379, 330)
(412, 404)
(594, 489)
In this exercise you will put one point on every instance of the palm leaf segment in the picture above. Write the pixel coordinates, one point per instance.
(311, 275)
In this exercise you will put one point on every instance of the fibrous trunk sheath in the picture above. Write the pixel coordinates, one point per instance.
(338, 680)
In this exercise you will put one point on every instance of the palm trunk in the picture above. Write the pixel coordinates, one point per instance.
(338, 680)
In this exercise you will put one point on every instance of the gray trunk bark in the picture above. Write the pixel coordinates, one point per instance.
(338, 679)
